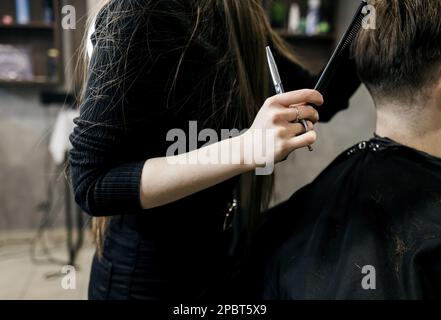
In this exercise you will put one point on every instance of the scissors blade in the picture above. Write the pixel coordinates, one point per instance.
(273, 69)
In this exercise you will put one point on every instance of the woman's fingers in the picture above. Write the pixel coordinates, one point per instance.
(305, 96)
(296, 129)
(283, 114)
(299, 112)
(303, 140)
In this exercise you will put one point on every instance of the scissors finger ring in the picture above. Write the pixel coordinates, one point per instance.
(299, 115)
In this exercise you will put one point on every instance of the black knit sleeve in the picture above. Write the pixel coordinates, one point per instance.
(336, 96)
(104, 182)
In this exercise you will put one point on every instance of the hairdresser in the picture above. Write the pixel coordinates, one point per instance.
(163, 226)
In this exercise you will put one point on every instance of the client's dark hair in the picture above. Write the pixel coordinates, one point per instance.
(401, 59)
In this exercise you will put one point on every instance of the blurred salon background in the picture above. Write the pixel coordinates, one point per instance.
(41, 228)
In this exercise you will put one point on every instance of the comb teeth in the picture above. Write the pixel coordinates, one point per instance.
(337, 56)
(353, 31)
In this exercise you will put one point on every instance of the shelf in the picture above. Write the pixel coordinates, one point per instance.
(29, 26)
(38, 36)
(34, 82)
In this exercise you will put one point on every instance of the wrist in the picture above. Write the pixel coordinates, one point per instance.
(246, 156)
(236, 147)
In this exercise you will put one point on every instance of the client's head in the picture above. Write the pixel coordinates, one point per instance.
(400, 61)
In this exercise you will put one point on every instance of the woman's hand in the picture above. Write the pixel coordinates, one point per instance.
(165, 181)
(281, 115)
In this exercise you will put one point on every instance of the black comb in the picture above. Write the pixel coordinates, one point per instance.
(339, 54)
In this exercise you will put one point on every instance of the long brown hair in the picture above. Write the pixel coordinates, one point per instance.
(247, 33)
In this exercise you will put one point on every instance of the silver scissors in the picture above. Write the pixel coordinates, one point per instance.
(278, 86)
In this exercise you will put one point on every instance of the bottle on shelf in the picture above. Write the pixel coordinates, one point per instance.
(278, 14)
(313, 17)
(294, 19)
(23, 11)
(7, 19)
(48, 10)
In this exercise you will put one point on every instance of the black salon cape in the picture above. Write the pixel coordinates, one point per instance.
(377, 205)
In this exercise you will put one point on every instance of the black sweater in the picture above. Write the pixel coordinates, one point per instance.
(121, 126)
